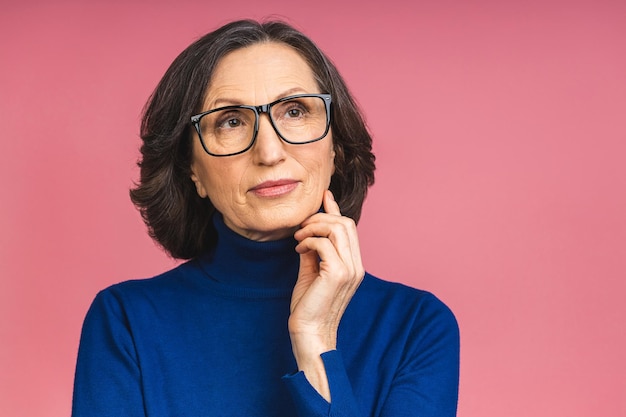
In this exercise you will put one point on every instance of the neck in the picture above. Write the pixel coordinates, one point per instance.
(278, 234)
(239, 261)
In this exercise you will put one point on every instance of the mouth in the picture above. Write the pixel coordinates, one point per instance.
(274, 188)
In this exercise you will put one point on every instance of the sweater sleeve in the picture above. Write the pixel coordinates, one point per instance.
(425, 384)
(427, 381)
(107, 381)
(309, 403)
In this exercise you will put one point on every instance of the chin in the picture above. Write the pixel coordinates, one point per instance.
(282, 226)
(278, 224)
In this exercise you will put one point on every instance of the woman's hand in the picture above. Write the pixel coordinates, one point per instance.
(330, 272)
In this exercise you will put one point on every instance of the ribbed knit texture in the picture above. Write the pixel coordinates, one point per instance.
(210, 338)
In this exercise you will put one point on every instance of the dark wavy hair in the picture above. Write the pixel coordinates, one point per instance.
(177, 218)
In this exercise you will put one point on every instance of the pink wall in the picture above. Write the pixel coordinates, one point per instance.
(500, 134)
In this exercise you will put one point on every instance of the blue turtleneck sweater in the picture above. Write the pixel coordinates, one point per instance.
(210, 338)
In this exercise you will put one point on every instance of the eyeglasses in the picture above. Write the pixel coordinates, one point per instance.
(231, 130)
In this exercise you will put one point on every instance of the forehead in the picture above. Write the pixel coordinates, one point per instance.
(258, 74)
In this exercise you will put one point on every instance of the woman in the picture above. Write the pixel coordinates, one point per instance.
(255, 164)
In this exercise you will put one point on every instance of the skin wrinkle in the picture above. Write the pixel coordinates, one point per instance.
(323, 289)
(222, 101)
(256, 75)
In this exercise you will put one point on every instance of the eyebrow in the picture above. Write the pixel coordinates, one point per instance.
(222, 102)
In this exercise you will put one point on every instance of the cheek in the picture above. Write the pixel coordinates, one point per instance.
(324, 167)
(318, 161)
(224, 182)
(331, 152)
(330, 162)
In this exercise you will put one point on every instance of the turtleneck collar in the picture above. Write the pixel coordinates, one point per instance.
(239, 262)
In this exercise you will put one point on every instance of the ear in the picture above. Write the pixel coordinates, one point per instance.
(198, 183)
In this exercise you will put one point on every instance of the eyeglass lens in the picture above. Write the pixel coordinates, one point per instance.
(231, 130)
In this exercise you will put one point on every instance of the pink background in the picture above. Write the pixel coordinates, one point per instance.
(500, 132)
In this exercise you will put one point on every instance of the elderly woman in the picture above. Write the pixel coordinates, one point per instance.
(255, 164)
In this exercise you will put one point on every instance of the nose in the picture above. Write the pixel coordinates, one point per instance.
(268, 148)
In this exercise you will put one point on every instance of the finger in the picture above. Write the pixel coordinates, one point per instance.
(330, 208)
(337, 232)
(340, 230)
(330, 205)
(342, 233)
(326, 218)
(323, 225)
(309, 271)
(326, 251)
(336, 279)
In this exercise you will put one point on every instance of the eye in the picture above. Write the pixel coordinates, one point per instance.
(231, 123)
(229, 120)
(294, 110)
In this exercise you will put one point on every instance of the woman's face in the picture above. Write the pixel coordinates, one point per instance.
(267, 191)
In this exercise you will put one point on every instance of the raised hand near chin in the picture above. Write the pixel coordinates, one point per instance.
(330, 272)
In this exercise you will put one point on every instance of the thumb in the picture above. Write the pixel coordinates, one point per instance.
(309, 264)
(309, 269)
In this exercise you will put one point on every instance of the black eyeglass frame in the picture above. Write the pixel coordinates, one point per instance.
(258, 110)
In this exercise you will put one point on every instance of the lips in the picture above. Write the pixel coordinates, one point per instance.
(274, 188)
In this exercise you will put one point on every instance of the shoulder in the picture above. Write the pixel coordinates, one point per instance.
(141, 285)
(398, 303)
(390, 294)
(137, 294)
(403, 327)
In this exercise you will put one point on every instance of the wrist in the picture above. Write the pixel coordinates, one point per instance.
(307, 351)
(311, 345)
